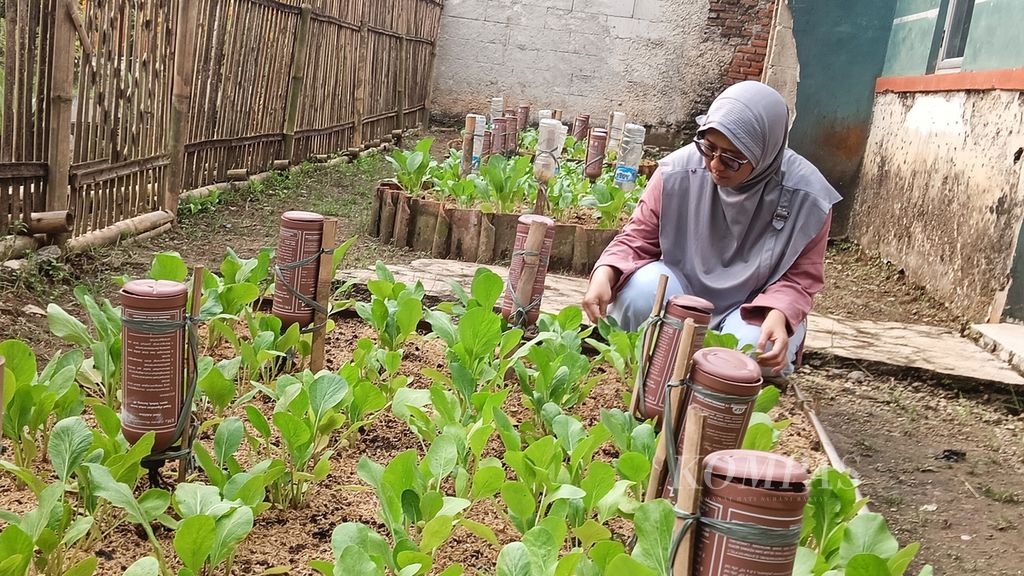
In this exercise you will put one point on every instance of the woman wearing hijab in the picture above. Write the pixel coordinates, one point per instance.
(736, 218)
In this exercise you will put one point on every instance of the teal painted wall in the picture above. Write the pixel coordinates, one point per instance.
(841, 47)
(996, 40)
(913, 43)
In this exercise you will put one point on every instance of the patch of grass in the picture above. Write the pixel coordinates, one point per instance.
(1001, 496)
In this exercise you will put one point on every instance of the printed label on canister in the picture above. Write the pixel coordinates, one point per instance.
(292, 246)
(152, 375)
(722, 556)
(625, 175)
(663, 359)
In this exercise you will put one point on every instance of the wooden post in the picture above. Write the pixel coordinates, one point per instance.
(468, 140)
(181, 101)
(531, 260)
(688, 496)
(403, 71)
(295, 85)
(675, 399)
(323, 295)
(197, 297)
(62, 86)
(645, 351)
(362, 70)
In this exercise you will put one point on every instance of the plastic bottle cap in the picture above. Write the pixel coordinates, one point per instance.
(154, 288)
(750, 465)
(302, 216)
(727, 365)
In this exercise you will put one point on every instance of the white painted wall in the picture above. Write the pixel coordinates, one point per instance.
(941, 194)
(649, 58)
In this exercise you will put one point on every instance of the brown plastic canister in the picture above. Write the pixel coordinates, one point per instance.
(664, 352)
(580, 126)
(487, 149)
(727, 372)
(596, 147)
(498, 142)
(512, 134)
(152, 365)
(523, 114)
(300, 238)
(516, 268)
(758, 488)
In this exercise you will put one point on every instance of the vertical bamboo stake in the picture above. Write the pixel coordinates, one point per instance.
(468, 141)
(688, 497)
(62, 83)
(181, 101)
(675, 400)
(186, 433)
(403, 70)
(297, 81)
(645, 351)
(323, 295)
(362, 65)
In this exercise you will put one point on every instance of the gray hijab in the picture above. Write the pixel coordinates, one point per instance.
(726, 245)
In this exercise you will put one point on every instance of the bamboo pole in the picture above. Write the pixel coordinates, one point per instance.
(56, 222)
(61, 87)
(688, 496)
(468, 140)
(181, 102)
(362, 69)
(323, 295)
(649, 337)
(197, 297)
(120, 231)
(674, 397)
(295, 84)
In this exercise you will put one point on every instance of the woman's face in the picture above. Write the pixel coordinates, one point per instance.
(715, 142)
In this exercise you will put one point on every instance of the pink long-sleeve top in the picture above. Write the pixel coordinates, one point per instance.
(638, 245)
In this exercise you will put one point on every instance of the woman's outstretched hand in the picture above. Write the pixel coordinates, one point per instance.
(599, 292)
(773, 330)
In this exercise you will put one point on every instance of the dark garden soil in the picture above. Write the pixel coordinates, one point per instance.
(890, 427)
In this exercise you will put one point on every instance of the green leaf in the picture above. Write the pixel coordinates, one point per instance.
(360, 536)
(759, 437)
(435, 532)
(654, 523)
(487, 481)
(231, 529)
(147, 566)
(69, 444)
(487, 287)
(85, 567)
(195, 499)
(15, 543)
(518, 498)
(193, 541)
(228, 439)
(294, 432)
(900, 561)
(514, 560)
(67, 327)
(168, 266)
(867, 534)
(867, 565)
(326, 391)
(767, 399)
(480, 530)
(623, 564)
(635, 467)
(442, 457)
(591, 532)
(258, 421)
(352, 560)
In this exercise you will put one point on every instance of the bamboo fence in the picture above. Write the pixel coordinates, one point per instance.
(125, 103)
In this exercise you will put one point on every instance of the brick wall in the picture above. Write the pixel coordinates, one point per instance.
(745, 25)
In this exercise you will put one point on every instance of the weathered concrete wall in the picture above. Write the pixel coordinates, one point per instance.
(661, 61)
(782, 70)
(941, 193)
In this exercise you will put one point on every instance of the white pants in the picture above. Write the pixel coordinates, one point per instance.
(633, 306)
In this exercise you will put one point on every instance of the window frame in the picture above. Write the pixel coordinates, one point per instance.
(944, 65)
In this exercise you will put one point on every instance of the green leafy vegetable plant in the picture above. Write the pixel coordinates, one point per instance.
(412, 168)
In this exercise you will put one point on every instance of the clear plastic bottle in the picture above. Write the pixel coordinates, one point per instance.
(631, 151)
(616, 124)
(497, 108)
(550, 140)
(478, 139)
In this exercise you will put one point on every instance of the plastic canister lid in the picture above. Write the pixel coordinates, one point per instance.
(692, 303)
(302, 216)
(529, 219)
(753, 467)
(159, 289)
(727, 365)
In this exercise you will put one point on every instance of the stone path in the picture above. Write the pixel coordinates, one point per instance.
(925, 347)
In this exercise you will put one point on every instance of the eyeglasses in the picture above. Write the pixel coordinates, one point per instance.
(710, 151)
